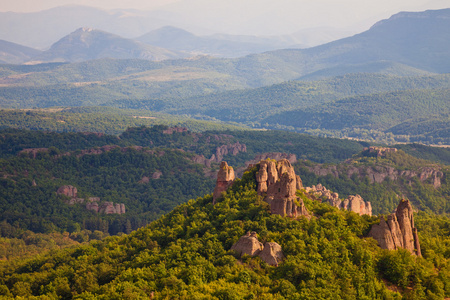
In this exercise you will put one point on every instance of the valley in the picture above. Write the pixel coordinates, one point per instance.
(142, 157)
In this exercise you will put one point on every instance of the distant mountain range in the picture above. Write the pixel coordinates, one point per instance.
(87, 44)
(391, 72)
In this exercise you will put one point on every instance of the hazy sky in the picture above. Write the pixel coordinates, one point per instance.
(252, 16)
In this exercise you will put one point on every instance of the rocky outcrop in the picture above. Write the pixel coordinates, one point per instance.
(378, 174)
(292, 158)
(379, 151)
(221, 151)
(248, 244)
(171, 130)
(225, 178)
(33, 151)
(157, 175)
(67, 190)
(398, 231)
(352, 203)
(278, 183)
(271, 252)
(92, 203)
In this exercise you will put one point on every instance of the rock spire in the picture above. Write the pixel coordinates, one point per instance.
(398, 231)
(225, 178)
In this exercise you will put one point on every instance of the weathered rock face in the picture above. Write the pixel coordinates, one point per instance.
(380, 151)
(378, 174)
(277, 183)
(272, 254)
(171, 130)
(67, 190)
(225, 178)
(221, 151)
(110, 208)
(398, 231)
(249, 244)
(352, 203)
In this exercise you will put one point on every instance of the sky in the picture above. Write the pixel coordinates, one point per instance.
(251, 17)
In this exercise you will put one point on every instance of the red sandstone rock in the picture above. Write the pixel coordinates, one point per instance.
(272, 254)
(248, 244)
(225, 178)
(278, 183)
(67, 190)
(398, 231)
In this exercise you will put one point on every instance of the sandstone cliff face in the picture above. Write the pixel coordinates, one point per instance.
(398, 231)
(271, 252)
(378, 174)
(221, 151)
(278, 183)
(225, 178)
(92, 203)
(352, 203)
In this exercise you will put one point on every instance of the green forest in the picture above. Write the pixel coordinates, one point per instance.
(186, 255)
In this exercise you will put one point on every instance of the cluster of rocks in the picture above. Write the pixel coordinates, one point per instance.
(398, 231)
(380, 173)
(156, 175)
(270, 252)
(221, 151)
(105, 207)
(171, 130)
(92, 203)
(278, 183)
(380, 151)
(352, 203)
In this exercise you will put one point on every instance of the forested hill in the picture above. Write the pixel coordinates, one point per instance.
(186, 254)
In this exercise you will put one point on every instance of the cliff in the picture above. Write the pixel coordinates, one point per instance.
(398, 231)
(353, 203)
(92, 203)
(278, 183)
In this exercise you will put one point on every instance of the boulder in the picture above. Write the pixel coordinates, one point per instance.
(398, 231)
(272, 254)
(248, 244)
(225, 178)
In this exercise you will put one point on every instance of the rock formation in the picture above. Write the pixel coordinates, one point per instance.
(352, 203)
(225, 178)
(271, 252)
(398, 231)
(378, 174)
(380, 151)
(92, 203)
(278, 183)
(171, 130)
(67, 190)
(248, 244)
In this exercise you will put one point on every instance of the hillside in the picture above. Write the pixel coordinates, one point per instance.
(188, 253)
(11, 53)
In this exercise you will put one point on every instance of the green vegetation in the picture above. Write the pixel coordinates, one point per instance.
(390, 108)
(185, 255)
